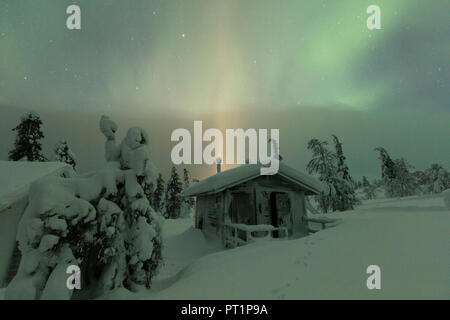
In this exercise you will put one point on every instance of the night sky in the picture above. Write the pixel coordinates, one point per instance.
(310, 68)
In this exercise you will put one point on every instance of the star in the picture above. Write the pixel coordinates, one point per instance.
(183, 35)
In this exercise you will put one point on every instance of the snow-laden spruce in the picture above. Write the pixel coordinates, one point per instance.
(187, 205)
(173, 199)
(102, 222)
(27, 145)
(63, 153)
(333, 172)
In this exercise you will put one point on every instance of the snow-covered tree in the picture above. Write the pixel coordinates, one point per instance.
(27, 145)
(323, 164)
(404, 184)
(368, 188)
(437, 179)
(345, 186)
(365, 181)
(158, 194)
(173, 198)
(387, 171)
(102, 223)
(421, 182)
(63, 153)
(186, 183)
(332, 171)
(187, 203)
(396, 177)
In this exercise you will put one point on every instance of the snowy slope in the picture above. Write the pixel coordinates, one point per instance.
(15, 180)
(407, 238)
(16, 177)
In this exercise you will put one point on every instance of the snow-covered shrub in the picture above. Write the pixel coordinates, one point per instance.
(446, 197)
(102, 222)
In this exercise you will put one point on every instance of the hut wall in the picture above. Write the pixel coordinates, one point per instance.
(213, 210)
(209, 213)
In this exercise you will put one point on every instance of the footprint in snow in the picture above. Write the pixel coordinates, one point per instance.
(274, 291)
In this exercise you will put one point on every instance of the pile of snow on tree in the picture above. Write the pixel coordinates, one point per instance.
(102, 223)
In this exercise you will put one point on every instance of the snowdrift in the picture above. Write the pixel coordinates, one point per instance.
(407, 239)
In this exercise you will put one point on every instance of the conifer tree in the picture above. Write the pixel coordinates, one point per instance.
(369, 189)
(186, 181)
(173, 195)
(345, 188)
(396, 177)
(63, 153)
(158, 194)
(27, 145)
(323, 163)
(387, 171)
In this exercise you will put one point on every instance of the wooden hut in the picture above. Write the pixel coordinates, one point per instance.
(240, 204)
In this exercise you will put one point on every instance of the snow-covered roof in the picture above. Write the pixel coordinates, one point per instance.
(16, 177)
(232, 177)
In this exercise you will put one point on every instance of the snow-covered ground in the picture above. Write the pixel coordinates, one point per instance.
(407, 238)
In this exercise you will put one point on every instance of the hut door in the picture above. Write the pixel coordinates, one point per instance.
(280, 207)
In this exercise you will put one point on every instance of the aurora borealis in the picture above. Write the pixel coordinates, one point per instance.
(311, 68)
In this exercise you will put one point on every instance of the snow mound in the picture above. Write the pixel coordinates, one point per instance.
(183, 244)
(446, 196)
(16, 177)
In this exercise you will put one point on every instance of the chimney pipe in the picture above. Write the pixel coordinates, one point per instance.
(219, 163)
